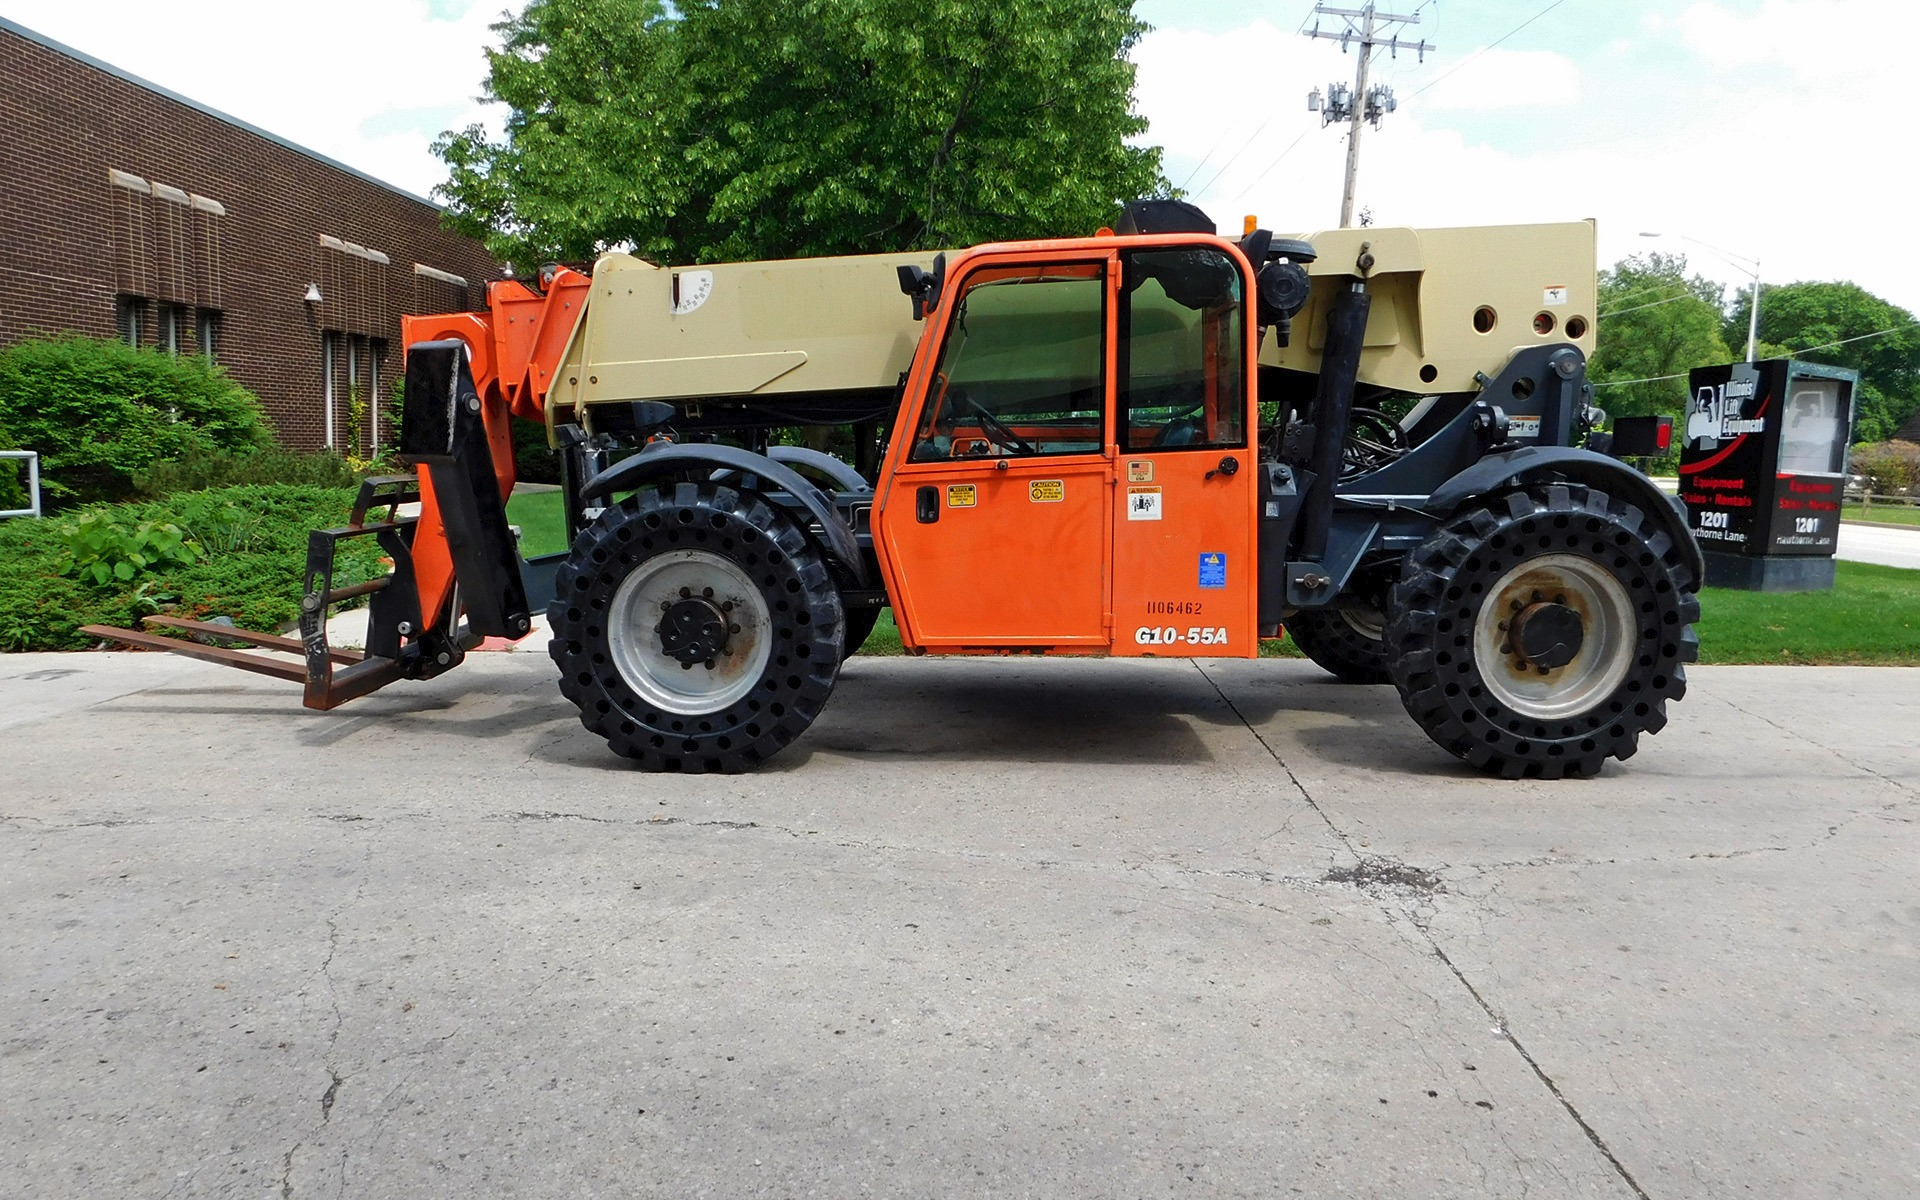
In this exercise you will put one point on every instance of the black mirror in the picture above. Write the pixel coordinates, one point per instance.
(923, 287)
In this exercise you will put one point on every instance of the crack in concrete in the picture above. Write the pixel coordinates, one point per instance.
(1391, 868)
(1898, 785)
(1506, 1032)
(339, 1021)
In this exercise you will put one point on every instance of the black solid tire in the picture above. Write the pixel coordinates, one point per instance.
(806, 627)
(860, 623)
(1440, 602)
(1329, 639)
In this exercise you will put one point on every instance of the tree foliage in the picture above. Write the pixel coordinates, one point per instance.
(1656, 324)
(1796, 317)
(710, 130)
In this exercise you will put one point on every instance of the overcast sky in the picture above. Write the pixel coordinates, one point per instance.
(1775, 129)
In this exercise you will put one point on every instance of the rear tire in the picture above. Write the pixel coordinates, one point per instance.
(696, 628)
(1345, 641)
(1544, 633)
(860, 623)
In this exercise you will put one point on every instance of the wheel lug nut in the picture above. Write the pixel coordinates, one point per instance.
(733, 629)
(686, 593)
(707, 592)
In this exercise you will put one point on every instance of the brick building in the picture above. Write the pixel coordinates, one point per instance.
(129, 211)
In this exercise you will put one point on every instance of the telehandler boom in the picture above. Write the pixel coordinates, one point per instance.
(1155, 442)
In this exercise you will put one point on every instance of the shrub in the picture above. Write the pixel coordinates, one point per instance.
(200, 468)
(13, 476)
(103, 551)
(1890, 467)
(533, 461)
(100, 411)
(250, 565)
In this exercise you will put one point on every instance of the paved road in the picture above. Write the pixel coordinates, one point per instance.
(994, 928)
(1880, 544)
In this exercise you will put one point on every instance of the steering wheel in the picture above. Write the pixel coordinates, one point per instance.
(991, 423)
(1178, 425)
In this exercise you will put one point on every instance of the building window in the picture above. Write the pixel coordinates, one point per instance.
(206, 335)
(376, 350)
(172, 320)
(326, 376)
(129, 315)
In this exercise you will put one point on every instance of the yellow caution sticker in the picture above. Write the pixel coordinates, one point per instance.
(962, 495)
(1140, 471)
(1047, 491)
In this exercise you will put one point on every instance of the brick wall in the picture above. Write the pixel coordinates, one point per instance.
(115, 196)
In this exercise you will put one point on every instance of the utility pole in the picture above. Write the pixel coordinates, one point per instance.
(1367, 26)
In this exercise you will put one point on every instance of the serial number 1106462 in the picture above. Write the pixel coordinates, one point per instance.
(1167, 635)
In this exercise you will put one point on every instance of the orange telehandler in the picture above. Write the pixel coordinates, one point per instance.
(1116, 445)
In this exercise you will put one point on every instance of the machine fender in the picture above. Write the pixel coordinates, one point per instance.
(1533, 464)
(665, 460)
(841, 472)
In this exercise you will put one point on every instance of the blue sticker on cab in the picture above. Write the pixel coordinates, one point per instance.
(1213, 570)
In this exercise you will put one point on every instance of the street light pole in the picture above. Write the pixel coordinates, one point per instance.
(1739, 262)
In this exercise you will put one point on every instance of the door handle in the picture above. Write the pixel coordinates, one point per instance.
(926, 505)
(1228, 466)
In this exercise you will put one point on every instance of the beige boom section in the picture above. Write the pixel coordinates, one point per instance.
(1447, 304)
(789, 327)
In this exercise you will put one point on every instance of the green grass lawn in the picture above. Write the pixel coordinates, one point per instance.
(1872, 615)
(1890, 514)
(542, 520)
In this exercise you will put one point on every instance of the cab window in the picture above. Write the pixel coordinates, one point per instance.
(1020, 373)
(1182, 352)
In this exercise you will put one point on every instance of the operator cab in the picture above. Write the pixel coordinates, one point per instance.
(1079, 417)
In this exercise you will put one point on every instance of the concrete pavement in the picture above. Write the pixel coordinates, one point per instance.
(991, 928)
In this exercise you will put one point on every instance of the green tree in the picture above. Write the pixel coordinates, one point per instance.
(1880, 340)
(1656, 323)
(708, 130)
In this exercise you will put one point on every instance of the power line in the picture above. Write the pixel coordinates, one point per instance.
(1803, 350)
(1650, 304)
(1238, 153)
(1648, 379)
(1270, 166)
(1863, 337)
(1503, 37)
(1217, 143)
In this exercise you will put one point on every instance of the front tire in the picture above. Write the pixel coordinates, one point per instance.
(1542, 634)
(696, 628)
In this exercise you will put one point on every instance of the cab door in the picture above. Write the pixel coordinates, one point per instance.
(1184, 535)
(995, 530)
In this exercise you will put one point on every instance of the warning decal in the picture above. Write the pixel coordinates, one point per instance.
(1555, 294)
(1213, 570)
(962, 495)
(1143, 504)
(1047, 491)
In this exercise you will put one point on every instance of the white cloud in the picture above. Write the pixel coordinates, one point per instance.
(342, 81)
(1531, 79)
(1761, 147)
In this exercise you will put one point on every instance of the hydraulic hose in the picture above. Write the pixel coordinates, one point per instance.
(1332, 414)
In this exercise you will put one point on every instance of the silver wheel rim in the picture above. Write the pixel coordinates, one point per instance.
(1606, 650)
(1367, 622)
(633, 637)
